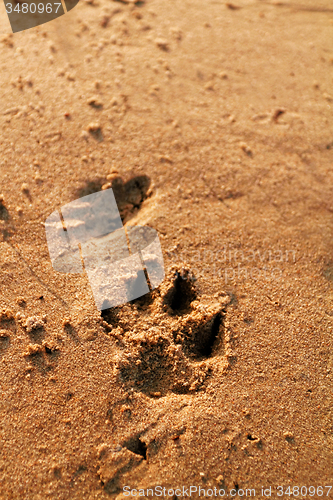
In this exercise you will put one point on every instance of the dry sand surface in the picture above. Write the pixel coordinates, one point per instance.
(212, 121)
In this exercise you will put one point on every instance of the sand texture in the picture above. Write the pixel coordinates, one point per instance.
(212, 123)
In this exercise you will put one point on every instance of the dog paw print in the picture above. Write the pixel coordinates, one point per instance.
(121, 262)
(167, 337)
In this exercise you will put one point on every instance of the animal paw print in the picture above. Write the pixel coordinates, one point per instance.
(167, 337)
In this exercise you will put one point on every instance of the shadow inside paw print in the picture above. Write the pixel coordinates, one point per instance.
(4, 214)
(4, 342)
(166, 340)
(201, 339)
(180, 294)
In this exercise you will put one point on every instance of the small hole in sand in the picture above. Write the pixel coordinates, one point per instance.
(4, 214)
(181, 294)
(208, 341)
(137, 446)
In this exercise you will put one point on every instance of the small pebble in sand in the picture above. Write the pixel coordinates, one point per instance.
(25, 188)
(7, 40)
(1, 198)
(137, 14)
(93, 127)
(4, 334)
(104, 21)
(246, 148)
(162, 43)
(232, 6)
(37, 177)
(95, 102)
(288, 436)
(113, 175)
(66, 322)
(277, 113)
(210, 86)
(176, 33)
(19, 210)
(84, 135)
(51, 47)
(165, 159)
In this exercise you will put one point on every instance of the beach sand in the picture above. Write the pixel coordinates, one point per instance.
(220, 116)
